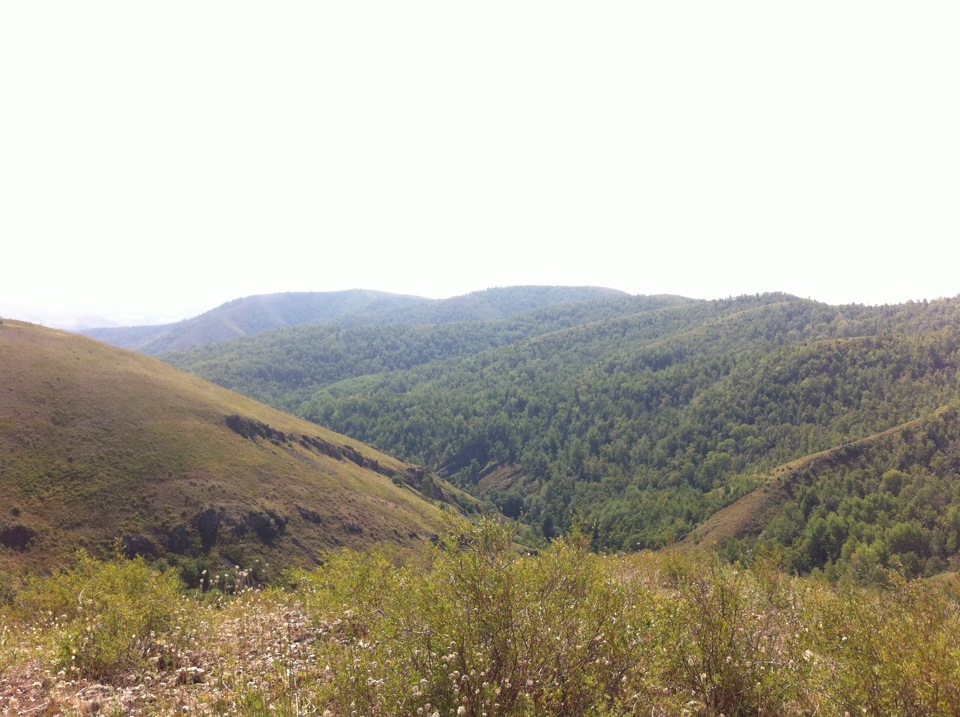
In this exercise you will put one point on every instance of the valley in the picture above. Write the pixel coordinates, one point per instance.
(528, 501)
(645, 416)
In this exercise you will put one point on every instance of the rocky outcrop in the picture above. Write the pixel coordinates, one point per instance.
(252, 429)
(17, 537)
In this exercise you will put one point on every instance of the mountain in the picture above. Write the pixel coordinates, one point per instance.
(254, 315)
(493, 304)
(287, 366)
(643, 416)
(250, 316)
(99, 443)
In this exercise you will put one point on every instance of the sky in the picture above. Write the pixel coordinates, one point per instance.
(159, 159)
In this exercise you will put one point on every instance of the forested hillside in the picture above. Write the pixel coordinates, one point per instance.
(890, 501)
(286, 367)
(642, 416)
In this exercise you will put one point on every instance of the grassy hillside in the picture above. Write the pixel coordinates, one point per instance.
(98, 443)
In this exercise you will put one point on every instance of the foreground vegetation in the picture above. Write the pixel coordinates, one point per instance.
(473, 627)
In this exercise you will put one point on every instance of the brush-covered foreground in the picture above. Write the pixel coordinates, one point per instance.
(473, 627)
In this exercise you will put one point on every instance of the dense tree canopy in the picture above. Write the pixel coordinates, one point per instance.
(641, 415)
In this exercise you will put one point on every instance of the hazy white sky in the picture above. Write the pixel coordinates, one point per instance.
(158, 159)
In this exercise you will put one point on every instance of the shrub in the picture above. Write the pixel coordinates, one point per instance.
(478, 628)
(107, 618)
(891, 651)
(735, 637)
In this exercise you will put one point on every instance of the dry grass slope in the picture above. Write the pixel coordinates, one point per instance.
(98, 442)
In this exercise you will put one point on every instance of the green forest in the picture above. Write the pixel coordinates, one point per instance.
(644, 416)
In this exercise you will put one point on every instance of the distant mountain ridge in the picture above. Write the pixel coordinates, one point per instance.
(257, 314)
(285, 367)
(250, 316)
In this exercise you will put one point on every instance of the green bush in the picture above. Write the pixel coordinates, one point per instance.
(891, 651)
(738, 637)
(478, 628)
(107, 618)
